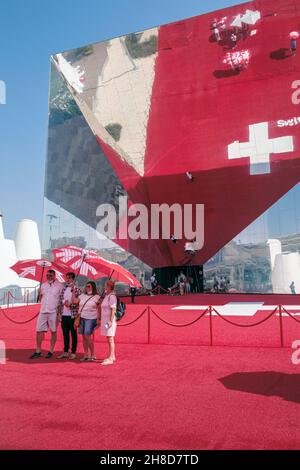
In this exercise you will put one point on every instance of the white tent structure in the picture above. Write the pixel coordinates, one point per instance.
(285, 268)
(237, 22)
(251, 17)
(27, 243)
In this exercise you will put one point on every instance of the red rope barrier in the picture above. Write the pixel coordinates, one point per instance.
(171, 292)
(179, 326)
(245, 326)
(15, 298)
(160, 289)
(151, 291)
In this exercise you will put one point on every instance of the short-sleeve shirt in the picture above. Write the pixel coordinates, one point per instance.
(109, 302)
(89, 311)
(50, 296)
(66, 294)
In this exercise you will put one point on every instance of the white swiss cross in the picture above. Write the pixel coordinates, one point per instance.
(259, 148)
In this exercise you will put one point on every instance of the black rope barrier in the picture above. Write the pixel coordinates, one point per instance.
(245, 326)
(18, 322)
(134, 321)
(180, 326)
(290, 315)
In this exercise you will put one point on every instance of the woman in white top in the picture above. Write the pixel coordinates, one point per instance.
(89, 308)
(108, 320)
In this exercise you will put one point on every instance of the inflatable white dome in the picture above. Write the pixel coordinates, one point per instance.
(26, 246)
(285, 268)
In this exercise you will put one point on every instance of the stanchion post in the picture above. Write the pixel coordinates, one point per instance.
(8, 298)
(149, 325)
(281, 326)
(210, 325)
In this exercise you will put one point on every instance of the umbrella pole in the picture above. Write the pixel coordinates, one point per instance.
(111, 275)
(39, 291)
(78, 272)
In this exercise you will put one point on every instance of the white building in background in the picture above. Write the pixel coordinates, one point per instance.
(25, 246)
(27, 240)
(285, 268)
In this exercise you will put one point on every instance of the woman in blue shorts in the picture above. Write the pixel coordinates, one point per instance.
(89, 308)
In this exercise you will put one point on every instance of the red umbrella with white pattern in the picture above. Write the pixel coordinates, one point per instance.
(89, 264)
(36, 269)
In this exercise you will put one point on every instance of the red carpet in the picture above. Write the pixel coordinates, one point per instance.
(156, 396)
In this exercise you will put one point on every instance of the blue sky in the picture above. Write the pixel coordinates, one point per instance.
(30, 31)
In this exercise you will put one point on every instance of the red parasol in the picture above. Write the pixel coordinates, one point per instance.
(88, 263)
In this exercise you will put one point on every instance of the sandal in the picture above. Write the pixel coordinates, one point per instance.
(92, 358)
(107, 362)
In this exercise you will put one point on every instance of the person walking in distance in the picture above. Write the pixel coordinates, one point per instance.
(132, 293)
(293, 46)
(293, 288)
(49, 296)
(153, 281)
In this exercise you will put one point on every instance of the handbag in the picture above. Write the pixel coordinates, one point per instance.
(77, 319)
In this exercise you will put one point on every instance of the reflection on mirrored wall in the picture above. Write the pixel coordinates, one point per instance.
(167, 116)
(265, 257)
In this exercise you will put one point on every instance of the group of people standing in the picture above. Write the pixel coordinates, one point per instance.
(229, 35)
(220, 285)
(77, 312)
(184, 284)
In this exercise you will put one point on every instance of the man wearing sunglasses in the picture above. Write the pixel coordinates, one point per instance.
(49, 296)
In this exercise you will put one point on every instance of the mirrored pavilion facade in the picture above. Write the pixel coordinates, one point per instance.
(132, 115)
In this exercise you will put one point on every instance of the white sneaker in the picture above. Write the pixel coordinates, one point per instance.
(72, 356)
(63, 356)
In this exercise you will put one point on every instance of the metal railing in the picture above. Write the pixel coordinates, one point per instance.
(12, 296)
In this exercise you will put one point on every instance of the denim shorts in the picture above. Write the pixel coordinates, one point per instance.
(87, 326)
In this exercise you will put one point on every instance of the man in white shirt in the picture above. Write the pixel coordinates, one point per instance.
(49, 296)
